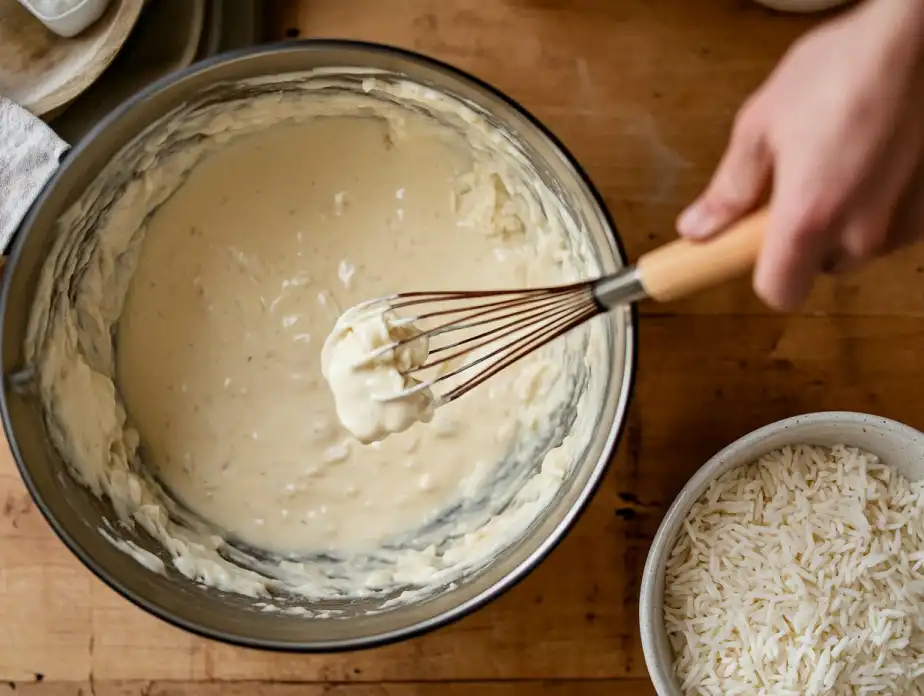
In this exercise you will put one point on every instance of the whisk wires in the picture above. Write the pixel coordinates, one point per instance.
(486, 329)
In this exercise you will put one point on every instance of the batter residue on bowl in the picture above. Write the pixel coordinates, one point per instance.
(221, 265)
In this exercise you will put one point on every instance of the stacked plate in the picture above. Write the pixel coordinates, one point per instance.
(75, 81)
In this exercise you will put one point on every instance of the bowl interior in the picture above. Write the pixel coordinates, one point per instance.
(894, 443)
(76, 515)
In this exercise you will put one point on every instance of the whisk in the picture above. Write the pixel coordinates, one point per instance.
(479, 333)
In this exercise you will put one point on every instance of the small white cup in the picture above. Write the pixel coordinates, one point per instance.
(72, 22)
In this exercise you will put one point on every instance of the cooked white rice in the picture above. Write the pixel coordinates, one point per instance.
(802, 573)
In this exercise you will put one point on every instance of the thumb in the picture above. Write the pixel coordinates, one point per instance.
(738, 183)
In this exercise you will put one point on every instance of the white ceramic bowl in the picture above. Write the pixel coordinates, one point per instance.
(894, 443)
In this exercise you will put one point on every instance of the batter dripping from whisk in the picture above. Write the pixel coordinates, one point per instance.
(373, 393)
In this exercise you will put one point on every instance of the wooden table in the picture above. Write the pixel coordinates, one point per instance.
(643, 92)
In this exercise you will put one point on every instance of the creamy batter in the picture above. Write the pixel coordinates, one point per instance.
(222, 265)
(367, 360)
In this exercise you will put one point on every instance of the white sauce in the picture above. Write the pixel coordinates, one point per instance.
(373, 393)
(290, 209)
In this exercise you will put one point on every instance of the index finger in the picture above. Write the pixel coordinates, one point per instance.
(800, 236)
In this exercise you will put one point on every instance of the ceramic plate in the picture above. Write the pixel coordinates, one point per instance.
(43, 71)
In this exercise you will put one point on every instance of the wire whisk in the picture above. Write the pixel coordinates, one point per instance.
(477, 334)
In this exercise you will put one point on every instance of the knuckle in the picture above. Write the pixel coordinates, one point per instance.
(865, 241)
(816, 215)
(747, 121)
(725, 194)
(809, 224)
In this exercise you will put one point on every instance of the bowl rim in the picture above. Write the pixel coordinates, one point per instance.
(518, 573)
(651, 600)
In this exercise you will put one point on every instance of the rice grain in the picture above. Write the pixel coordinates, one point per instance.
(802, 573)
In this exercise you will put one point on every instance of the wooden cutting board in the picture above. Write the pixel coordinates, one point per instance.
(43, 71)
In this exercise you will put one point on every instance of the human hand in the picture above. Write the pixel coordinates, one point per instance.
(839, 130)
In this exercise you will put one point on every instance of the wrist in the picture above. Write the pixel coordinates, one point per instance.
(896, 27)
(904, 22)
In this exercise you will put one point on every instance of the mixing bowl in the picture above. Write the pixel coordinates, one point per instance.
(894, 443)
(76, 515)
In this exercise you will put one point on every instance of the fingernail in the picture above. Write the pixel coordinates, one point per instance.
(696, 222)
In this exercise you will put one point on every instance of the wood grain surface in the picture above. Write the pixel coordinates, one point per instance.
(643, 92)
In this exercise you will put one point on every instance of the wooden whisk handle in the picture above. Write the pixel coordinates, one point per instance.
(683, 267)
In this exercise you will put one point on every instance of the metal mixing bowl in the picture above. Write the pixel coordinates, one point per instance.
(894, 443)
(76, 515)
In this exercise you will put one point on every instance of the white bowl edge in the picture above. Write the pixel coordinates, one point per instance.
(75, 20)
(894, 443)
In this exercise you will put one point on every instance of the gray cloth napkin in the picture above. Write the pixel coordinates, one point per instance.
(29, 155)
